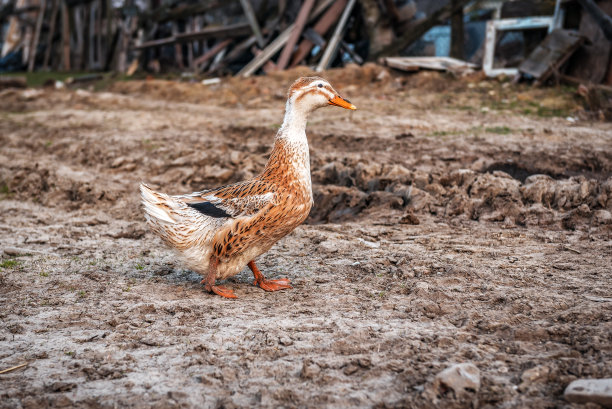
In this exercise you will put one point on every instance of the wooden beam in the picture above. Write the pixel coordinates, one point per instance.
(603, 21)
(419, 29)
(298, 27)
(250, 14)
(210, 54)
(54, 11)
(65, 37)
(236, 52)
(278, 43)
(236, 30)
(321, 27)
(457, 34)
(39, 20)
(332, 46)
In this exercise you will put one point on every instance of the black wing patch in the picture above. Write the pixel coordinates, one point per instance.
(209, 209)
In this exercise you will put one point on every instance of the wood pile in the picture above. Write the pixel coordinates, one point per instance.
(213, 37)
(246, 37)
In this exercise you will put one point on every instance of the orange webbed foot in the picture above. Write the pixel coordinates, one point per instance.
(273, 285)
(223, 291)
(268, 285)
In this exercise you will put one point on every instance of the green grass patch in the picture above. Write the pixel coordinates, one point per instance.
(501, 130)
(139, 267)
(9, 263)
(4, 189)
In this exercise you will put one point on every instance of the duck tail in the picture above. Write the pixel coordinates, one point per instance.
(157, 206)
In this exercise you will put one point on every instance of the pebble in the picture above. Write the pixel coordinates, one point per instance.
(597, 391)
(533, 375)
(461, 378)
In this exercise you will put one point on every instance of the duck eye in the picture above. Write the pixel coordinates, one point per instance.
(320, 85)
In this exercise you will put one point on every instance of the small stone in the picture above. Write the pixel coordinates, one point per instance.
(410, 218)
(597, 391)
(603, 217)
(533, 375)
(460, 378)
(309, 369)
(350, 369)
(285, 340)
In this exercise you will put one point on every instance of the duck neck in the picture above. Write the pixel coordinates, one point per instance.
(293, 129)
(290, 152)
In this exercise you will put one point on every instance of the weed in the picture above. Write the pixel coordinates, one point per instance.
(9, 263)
(44, 274)
(139, 267)
(501, 130)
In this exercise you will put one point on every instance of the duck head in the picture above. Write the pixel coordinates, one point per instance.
(309, 93)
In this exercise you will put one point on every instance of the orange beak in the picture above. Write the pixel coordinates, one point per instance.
(341, 102)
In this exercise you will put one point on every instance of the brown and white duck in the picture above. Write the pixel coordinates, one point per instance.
(219, 231)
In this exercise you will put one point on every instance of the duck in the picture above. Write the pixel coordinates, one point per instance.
(217, 232)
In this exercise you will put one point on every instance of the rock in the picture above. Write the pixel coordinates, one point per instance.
(409, 218)
(460, 378)
(370, 244)
(602, 217)
(459, 177)
(419, 199)
(590, 390)
(118, 162)
(533, 375)
(309, 369)
(285, 340)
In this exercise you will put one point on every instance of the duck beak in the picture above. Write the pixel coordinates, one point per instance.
(341, 102)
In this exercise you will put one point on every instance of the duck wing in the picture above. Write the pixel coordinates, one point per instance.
(232, 201)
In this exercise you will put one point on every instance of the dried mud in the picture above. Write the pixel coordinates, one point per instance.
(455, 220)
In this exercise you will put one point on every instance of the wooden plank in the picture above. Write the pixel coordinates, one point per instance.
(178, 48)
(28, 35)
(54, 12)
(332, 46)
(431, 63)
(599, 16)
(210, 54)
(591, 61)
(232, 31)
(321, 27)
(556, 48)
(278, 43)
(298, 27)
(65, 37)
(78, 31)
(39, 20)
(236, 52)
(457, 34)
(250, 14)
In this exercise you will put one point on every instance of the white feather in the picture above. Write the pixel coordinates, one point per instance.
(151, 205)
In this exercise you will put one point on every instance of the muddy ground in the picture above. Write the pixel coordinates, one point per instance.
(456, 220)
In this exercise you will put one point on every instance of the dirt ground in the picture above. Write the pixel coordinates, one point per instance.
(455, 220)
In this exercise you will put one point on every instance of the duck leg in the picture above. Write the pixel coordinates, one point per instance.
(209, 281)
(268, 285)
